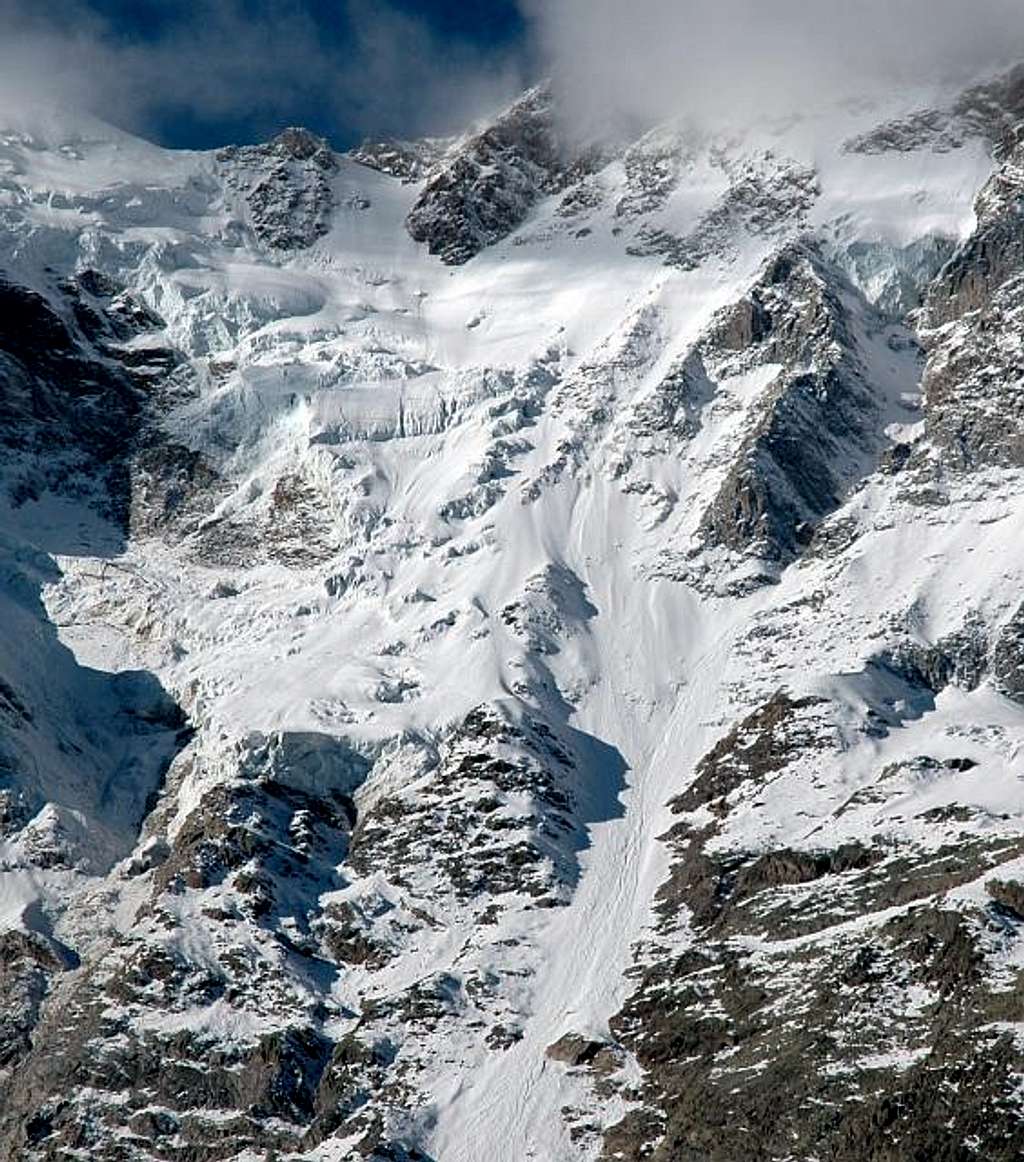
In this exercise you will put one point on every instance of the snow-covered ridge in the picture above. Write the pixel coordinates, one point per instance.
(502, 632)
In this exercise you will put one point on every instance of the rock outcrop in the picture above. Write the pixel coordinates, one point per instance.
(285, 187)
(973, 383)
(817, 427)
(485, 186)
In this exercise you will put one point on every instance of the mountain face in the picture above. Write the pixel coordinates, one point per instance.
(514, 648)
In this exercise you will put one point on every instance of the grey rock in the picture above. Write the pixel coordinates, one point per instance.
(782, 1053)
(990, 111)
(285, 186)
(972, 384)
(486, 186)
(1008, 657)
(817, 429)
(409, 161)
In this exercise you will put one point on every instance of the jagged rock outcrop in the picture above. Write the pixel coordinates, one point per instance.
(760, 1038)
(1008, 657)
(251, 858)
(972, 384)
(766, 197)
(816, 427)
(307, 853)
(285, 187)
(992, 110)
(410, 161)
(485, 186)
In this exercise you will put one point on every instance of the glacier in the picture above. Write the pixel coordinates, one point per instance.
(513, 646)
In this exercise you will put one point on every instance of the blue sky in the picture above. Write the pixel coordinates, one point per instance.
(204, 73)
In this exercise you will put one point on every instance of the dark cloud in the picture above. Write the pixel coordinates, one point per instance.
(251, 66)
(408, 79)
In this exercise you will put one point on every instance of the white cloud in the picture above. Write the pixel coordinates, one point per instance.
(648, 59)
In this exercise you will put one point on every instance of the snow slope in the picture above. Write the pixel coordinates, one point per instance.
(458, 573)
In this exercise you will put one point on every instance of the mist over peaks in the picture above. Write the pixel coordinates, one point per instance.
(727, 61)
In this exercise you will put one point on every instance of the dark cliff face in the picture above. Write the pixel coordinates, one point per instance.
(817, 431)
(484, 188)
(993, 255)
(84, 382)
(73, 392)
(973, 315)
(285, 186)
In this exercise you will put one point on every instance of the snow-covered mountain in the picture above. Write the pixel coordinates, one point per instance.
(514, 649)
